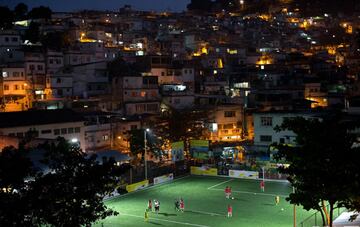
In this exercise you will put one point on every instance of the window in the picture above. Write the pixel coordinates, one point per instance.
(162, 73)
(265, 138)
(16, 87)
(6, 39)
(14, 39)
(266, 121)
(40, 67)
(70, 130)
(228, 126)
(6, 87)
(56, 132)
(51, 61)
(16, 74)
(229, 114)
(77, 129)
(152, 107)
(32, 67)
(105, 137)
(282, 140)
(63, 131)
(47, 131)
(58, 80)
(19, 134)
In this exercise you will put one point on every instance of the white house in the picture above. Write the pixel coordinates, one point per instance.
(264, 123)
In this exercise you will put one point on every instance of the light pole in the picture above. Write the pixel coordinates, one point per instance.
(145, 156)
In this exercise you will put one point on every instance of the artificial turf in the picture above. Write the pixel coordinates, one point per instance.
(206, 205)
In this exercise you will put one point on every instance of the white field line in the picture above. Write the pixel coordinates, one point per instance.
(209, 213)
(165, 220)
(254, 193)
(219, 184)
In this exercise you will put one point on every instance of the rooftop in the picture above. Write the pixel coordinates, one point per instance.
(38, 117)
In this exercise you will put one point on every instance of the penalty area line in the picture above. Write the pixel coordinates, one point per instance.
(204, 212)
(254, 193)
(219, 184)
(164, 220)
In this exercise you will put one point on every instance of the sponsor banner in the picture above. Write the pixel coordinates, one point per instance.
(199, 149)
(164, 178)
(244, 174)
(137, 186)
(203, 171)
(177, 151)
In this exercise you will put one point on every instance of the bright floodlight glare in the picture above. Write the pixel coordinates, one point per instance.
(148, 130)
(74, 140)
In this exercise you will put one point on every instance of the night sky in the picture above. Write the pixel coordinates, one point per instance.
(71, 5)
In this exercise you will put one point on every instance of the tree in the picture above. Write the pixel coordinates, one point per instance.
(41, 12)
(67, 191)
(200, 5)
(20, 11)
(153, 144)
(6, 17)
(55, 40)
(15, 166)
(324, 165)
(33, 32)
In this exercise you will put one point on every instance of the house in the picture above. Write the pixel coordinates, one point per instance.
(136, 95)
(265, 122)
(226, 123)
(16, 89)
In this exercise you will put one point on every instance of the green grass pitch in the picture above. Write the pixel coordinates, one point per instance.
(206, 205)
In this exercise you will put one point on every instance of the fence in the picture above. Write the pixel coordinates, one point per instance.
(316, 219)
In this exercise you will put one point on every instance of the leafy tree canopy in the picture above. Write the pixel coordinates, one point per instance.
(67, 191)
(20, 11)
(324, 166)
(6, 17)
(40, 12)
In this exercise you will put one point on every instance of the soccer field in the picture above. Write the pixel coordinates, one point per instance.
(206, 205)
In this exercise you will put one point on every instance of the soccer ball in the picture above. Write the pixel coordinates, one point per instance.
(282, 209)
(232, 198)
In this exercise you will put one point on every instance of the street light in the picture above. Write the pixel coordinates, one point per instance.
(145, 156)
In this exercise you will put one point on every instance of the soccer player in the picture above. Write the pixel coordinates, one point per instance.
(277, 200)
(229, 214)
(149, 205)
(157, 206)
(146, 215)
(262, 186)
(182, 205)
(177, 205)
(226, 191)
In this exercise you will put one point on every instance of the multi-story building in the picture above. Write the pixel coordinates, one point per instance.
(16, 94)
(44, 124)
(226, 123)
(265, 123)
(136, 95)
